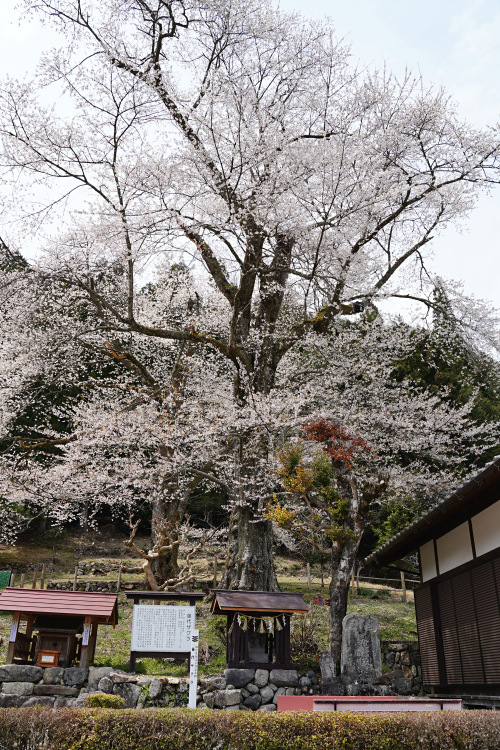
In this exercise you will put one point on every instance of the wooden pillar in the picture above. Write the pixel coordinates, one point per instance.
(403, 586)
(29, 632)
(84, 657)
(229, 639)
(287, 641)
(119, 581)
(133, 657)
(42, 582)
(21, 585)
(12, 638)
(29, 626)
(35, 576)
(75, 579)
(93, 641)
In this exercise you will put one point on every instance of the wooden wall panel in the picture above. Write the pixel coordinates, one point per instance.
(467, 628)
(458, 619)
(449, 634)
(488, 619)
(427, 635)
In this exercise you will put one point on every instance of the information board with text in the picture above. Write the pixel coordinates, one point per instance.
(162, 628)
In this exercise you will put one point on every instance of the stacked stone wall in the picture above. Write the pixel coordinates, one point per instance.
(96, 586)
(235, 690)
(401, 665)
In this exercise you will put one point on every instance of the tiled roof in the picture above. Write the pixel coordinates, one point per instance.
(50, 601)
(256, 601)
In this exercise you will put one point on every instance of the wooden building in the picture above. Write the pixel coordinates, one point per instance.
(258, 627)
(55, 628)
(458, 601)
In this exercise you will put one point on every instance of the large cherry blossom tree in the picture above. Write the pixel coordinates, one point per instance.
(242, 142)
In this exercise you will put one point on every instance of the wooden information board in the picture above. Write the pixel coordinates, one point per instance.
(163, 629)
(160, 631)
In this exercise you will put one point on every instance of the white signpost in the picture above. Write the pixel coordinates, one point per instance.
(193, 668)
(164, 630)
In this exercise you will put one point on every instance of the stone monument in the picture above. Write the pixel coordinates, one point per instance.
(331, 684)
(361, 660)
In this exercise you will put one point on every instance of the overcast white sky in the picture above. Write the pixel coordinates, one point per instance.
(451, 42)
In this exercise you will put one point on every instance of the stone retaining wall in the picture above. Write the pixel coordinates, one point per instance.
(401, 665)
(238, 689)
(96, 586)
(254, 689)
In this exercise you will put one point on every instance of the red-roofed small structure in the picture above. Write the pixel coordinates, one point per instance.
(66, 622)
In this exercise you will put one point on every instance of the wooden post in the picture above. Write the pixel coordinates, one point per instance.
(403, 586)
(35, 576)
(12, 638)
(42, 582)
(29, 626)
(75, 579)
(215, 573)
(308, 568)
(84, 656)
(21, 585)
(92, 642)
(12, 578)
(119, 581)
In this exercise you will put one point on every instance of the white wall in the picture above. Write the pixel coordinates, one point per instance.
(486, 529)
(454, 548)
(428, 561)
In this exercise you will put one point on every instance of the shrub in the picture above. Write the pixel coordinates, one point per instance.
(182, 729)
(104, 700)
(304, 648)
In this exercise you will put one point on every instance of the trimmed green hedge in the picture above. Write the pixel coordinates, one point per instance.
(103, 700)
(181, 729)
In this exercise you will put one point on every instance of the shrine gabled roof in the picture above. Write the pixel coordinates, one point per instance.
(99, 606)
(257, 601)
(481, 490)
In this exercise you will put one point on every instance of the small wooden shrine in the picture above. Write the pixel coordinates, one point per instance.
(258, 627)
(60, 627)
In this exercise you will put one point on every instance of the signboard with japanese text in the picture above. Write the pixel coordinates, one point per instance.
(13, 629)
(162, 628)
(86, 634)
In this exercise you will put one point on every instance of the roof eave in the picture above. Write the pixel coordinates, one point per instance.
(483, 488)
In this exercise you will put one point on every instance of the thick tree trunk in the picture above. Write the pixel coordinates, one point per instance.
(166, 565)
(250, 563)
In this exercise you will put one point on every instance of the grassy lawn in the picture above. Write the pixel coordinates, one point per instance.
(397, 619)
